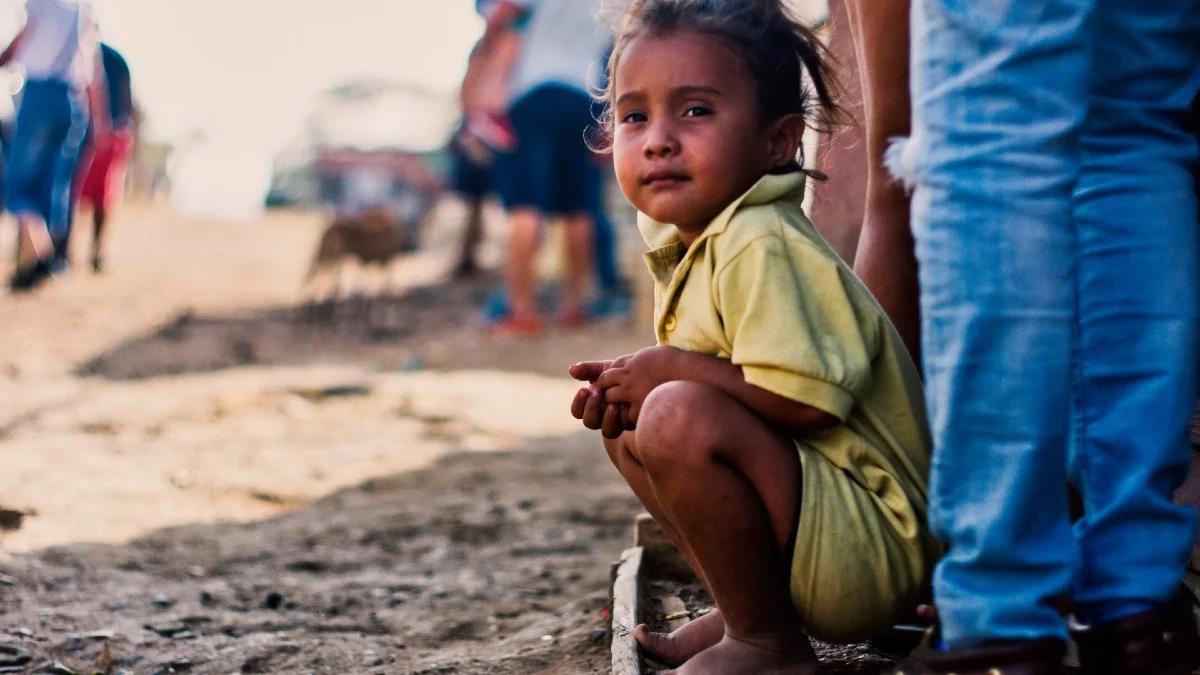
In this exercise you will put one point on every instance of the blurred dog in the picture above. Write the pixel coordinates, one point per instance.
(375, 236)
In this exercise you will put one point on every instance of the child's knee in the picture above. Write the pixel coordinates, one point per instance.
(673, 426)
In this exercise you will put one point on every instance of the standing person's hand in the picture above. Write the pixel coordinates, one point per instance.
(628, 384)
(589, 404)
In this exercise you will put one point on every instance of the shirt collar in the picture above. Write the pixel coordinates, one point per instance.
(666, 249)
(769, 188)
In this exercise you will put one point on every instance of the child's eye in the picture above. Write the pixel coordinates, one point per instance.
(633, 118)
(697, 111)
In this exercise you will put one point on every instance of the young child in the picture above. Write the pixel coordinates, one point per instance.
(777, 432)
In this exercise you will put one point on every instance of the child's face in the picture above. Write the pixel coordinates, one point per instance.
(689, 137)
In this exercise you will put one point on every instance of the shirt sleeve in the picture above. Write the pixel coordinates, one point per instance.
(792, 322)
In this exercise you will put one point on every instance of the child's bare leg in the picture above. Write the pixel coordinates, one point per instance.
(623, 453)
(523, 240)
(695, 636)
(731, 485)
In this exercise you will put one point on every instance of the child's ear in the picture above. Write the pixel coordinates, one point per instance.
(784, 137)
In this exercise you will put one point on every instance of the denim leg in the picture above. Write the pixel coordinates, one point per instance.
(1139, 309)
(58, 219)
(604, 244)
(37, 141)
(999, 95)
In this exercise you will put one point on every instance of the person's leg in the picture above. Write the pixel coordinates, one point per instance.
(525, 225)
(61, 202)
(626, 457)
(472, 179)
(34, 244)
(604, 241)
(77, 156)
(91, 195)
(729, 487)
(468, 250)
(886, 261)
(574, 192)
(1139, 306)
(577, 265)
(999, 95)
(30, 168)
(523, 177)
(99, 221)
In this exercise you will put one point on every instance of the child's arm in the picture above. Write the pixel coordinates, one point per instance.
(630, 383)
(501, 18)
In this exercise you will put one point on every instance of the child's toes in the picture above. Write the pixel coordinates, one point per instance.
(661, 647)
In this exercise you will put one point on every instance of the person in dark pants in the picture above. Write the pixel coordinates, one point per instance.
(471, 177)
(551, 173)
(57, 49)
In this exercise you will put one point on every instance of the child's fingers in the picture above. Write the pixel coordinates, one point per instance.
(588, 371)
(630, 417)
(612, 426)
(610, 378)
(579, 403)
(617, 393)
(593, 410)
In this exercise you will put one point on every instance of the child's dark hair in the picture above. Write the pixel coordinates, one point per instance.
(776, 48)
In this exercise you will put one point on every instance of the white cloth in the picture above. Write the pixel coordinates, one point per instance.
(563, 43)
(61, 41)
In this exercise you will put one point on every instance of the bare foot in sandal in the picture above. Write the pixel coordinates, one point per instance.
(685, 642)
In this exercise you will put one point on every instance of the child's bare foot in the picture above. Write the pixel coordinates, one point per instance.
(683, 643)
(786, 653)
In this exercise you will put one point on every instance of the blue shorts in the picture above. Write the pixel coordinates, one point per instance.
(469, 179)
(41, 165)
(552, 169)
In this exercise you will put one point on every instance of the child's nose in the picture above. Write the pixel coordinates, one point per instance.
(661, 141)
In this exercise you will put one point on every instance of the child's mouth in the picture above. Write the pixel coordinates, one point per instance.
(664, 179)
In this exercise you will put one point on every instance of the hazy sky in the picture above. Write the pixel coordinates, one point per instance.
(246, 72)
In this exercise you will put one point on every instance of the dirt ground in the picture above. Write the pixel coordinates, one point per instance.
(198, 476)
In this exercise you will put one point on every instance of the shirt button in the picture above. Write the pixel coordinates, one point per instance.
(669, 323)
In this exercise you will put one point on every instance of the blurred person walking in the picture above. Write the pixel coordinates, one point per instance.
(57, 49)
(551, 172)
(110, 138)
(485, 128)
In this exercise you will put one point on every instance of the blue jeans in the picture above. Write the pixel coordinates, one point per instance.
(1056, 227)
(51, 122)
(604, 252)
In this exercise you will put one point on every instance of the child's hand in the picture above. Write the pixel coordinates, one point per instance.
(589, 405)
(590, 371)
(629, 383)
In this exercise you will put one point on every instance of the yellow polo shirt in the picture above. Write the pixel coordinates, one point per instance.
(761, 288)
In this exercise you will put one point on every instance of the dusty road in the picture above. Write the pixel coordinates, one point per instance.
(186, 450)
(209, 481)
